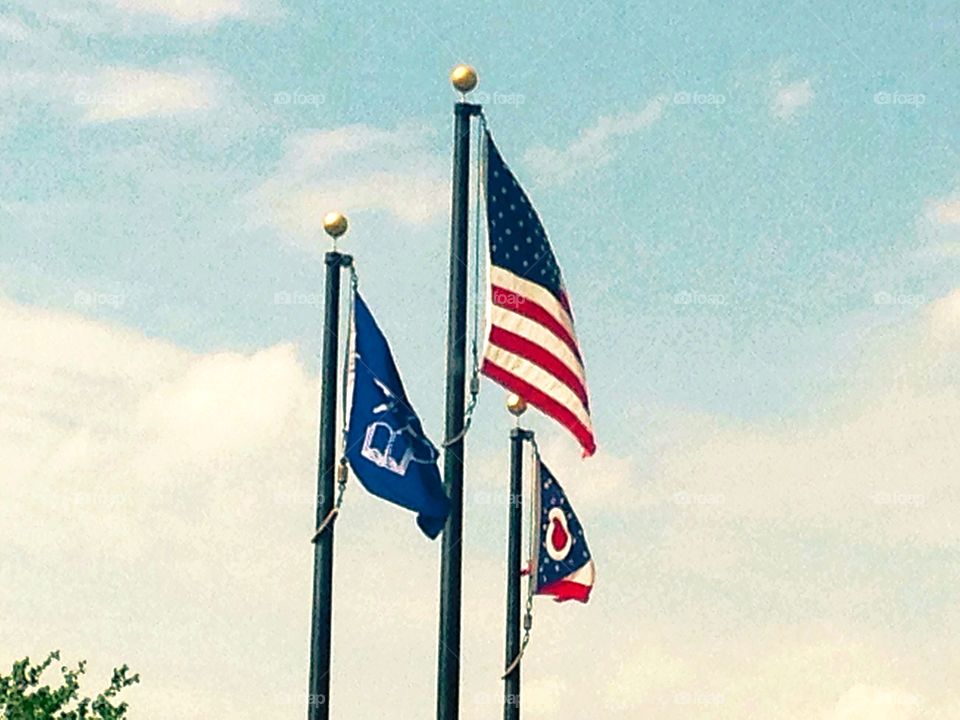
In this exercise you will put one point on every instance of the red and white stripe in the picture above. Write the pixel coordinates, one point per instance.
(575, 586)
(532, 351)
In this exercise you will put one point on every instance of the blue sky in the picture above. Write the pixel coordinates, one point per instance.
(757, 210)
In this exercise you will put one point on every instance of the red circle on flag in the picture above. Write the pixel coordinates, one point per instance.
(559, 539)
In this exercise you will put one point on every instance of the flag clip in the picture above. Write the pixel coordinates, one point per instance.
(341, 484)
(326, 521)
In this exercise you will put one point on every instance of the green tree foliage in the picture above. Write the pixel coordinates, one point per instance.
(22, 697)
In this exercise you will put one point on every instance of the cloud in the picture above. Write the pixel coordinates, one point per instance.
(646, 676)
(186, 12)
(938, 251)
(169, 495)
(864, 702)
(13, 29)
(121, 93)
(316, 150)
(595, 146)
(878, 463)
(357, 167)
(135, 17)
(944, 317)
(790, 98)
(939, 229)
(619, 490)
(946, 211)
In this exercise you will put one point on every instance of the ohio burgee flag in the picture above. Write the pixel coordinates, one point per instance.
(563, 567)
(386, 445)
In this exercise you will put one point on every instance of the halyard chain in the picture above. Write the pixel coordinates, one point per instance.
(342, 466)
(474, 348)
(531, 578)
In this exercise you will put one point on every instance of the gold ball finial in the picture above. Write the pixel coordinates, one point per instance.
(464, 78)
(335, 224)
(516, 405)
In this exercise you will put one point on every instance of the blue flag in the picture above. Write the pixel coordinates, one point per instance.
(386, 445)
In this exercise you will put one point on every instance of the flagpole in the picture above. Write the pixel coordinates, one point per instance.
(511, 686)
(464, 79)
(318, 701)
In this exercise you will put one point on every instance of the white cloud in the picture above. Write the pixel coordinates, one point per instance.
(186, 12)
(946, 211)
(543, 697)
(596, 144)
(646, 677)
(358, 168)
(939, 229)
(12, 28)
(790, 98)
(168, 494)
(137, 17)
(619, 489)
(879, 463)
(942, 250)
(864, 702)
(121, 93)
(945, 317)
(313, 151)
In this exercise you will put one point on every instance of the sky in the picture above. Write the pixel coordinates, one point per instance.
(757, 211)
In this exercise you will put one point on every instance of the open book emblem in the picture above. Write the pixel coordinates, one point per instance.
(394, 448)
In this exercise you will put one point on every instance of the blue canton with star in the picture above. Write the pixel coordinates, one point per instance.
(518, 242)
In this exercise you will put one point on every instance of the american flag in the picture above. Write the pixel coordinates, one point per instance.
(532, 349)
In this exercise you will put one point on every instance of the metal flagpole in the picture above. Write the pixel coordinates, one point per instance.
(318, 706)
(464, 79)
(511, 686)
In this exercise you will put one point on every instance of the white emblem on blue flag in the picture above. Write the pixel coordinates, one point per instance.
(382, 445)
(394, 449)
(386, 446)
